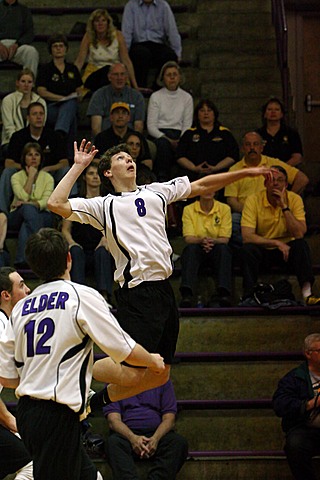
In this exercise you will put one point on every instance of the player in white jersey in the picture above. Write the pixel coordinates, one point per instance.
(13, 454)
(133, 219)
(46, 354)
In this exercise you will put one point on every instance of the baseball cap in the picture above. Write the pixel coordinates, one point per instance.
(120, 105)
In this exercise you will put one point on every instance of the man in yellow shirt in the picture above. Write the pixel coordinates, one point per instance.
(237, 192)
(273, 226)
(206, 226)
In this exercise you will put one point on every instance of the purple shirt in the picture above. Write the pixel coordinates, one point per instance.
(144, 411)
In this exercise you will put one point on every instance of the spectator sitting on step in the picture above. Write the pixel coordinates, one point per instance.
(59, 83)
(101, 46)
(142, 428)
(296, 401)
(208, 147)
(206, 229)
(118, 91)
(237, 192)
(139, 151)
(151, 34)
(280, 140)
(14, 107)
(120, 118)
(54, 150)
(32, 186)
(170, 112)
(16, 35)
(87, 246)
(273, 226)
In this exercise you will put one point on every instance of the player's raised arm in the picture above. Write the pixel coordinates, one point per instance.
(212, 183)
(58, 200)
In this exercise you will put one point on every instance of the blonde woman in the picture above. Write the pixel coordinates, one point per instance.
(14, 106)
(101, 46)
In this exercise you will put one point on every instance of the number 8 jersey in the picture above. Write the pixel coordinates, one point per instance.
(134, 224)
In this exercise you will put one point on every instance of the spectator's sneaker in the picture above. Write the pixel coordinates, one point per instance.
(312, 300)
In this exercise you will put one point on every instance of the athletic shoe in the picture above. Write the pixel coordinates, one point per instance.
(312, 300)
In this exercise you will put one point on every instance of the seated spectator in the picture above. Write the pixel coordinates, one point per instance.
(142, 428)
(87, 246)
(150, 31)
(32, 186)
(273, 226)
(102, 45)
(16, 35)
(206, 229)
(54, 150)
(118, 91)
(170, 112)
(139, 151)
(116, 133)
(14, 456)
(59, 83)
(14, 107)
(296, 401)
(208, 147)
(280, 140)
(237, 192)
(4, 254)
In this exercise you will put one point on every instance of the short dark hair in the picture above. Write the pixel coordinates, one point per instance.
(57, 38)
(209, 103)
(106, 159)
(5, 282)
(273, 100)
(34, 104)
(46, 253)
(281, 170)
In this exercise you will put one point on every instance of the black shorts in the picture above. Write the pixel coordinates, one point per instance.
(52, 434)
(148, 312)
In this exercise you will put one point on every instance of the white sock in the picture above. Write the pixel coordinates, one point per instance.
(306, 290)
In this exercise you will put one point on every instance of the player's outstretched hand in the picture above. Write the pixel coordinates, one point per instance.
(256, 171)
(158, 365)
(85, 154)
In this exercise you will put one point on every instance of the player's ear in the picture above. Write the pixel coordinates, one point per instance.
(5, 295)
(107, 173)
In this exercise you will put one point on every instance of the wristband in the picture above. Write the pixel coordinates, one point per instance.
(287, 209)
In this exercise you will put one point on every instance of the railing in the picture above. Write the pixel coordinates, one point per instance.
(280, 24)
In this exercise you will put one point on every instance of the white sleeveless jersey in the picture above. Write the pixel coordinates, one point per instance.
(49, 338)
(134, 224)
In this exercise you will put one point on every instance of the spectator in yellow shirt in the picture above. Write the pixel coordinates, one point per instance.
(237, 192)
(206, 231)
(273, 226)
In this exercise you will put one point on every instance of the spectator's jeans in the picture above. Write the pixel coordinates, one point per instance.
(168, 459)
(165, 158)
(103, 267)
(219, 259)
(6, 193)
(302, 443)
(26, 55)
(253, 256)
(62, 116)
(236, 237)
(27, 219)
